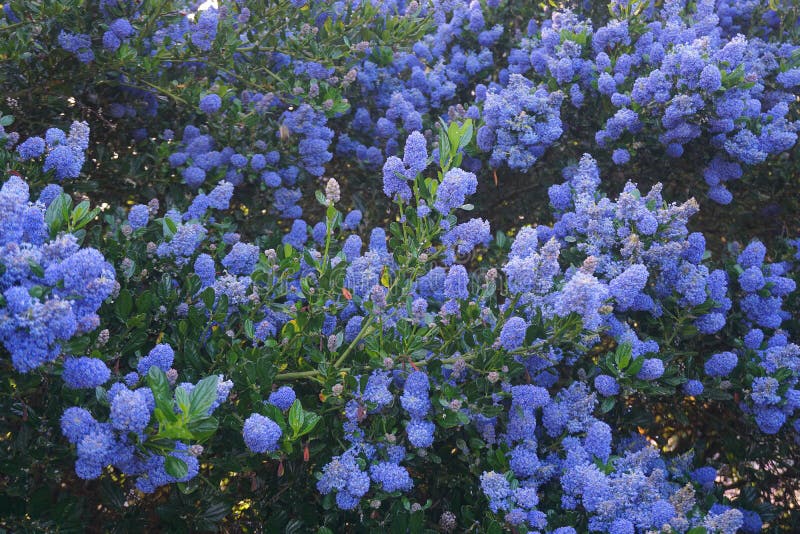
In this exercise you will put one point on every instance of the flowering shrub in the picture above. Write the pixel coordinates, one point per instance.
(231, 338)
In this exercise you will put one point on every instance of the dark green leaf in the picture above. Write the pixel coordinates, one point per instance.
(124, 304)
(296, 417)
(176, 467)
(203, 396)
(203, 428)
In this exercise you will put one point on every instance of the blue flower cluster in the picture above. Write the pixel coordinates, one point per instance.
(199, 158)
(679, 76)
(119, 31)
(505, 376)
(64, 153)
(631, 491)
(261, 434)
(416, 403)
(520, 122)
(636, 254)
(52, 288)
(119, 441)
(350, 475)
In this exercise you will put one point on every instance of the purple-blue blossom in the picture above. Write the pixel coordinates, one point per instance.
(261, 434)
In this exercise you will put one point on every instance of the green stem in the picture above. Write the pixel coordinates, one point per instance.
(297, 374)
(506, 315)
(328, 235)
(467, 358)
(164, 91)
(353, 343)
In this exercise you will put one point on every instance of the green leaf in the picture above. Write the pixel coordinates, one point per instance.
(203, 396)
(56, 214)
(159, 385)
(296, 417)
(79, 212)
(101, 395)
(124, 304)
(203, 428)
(623, 355)
(208, 296)
(466, 134)
(311, 420)
(444, 150)
(6, 120)
(176, 467)
(182, 398)
(35, 291)
(36, 269)
(635, 367)
(169, 227)
(157, 380)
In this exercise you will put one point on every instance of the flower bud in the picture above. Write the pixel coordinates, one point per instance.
(332, 191)
(172, 375)
(103, 336)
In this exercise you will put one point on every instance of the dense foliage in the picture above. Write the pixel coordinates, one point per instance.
(423, 266)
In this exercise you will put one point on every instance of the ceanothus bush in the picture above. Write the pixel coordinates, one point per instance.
(399, 265)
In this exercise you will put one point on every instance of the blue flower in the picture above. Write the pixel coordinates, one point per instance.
(652, 368)
(298, 235)
(220, 197)
(391, 477)
(583, 294)
(160, 356)
(513, 333)
(261, 434)
(242, 259)
(415, 154)
(204, 31)
(32, 147)
(627, 286)
(129, 411)
(76, 423)
(620, 156)
(452, 192)
(598, 440)
(753, 255)
(420, 433)
(394, 179)
(606, 385)
(138, 216)
(352, 220)
(283, 397)
(415, 395)
(497, 488)
(721, 364)
(85, 373)
(210, 103)
(377, 388)
(65, 160)
(693, 388)
(705, 476)
(455, 284)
